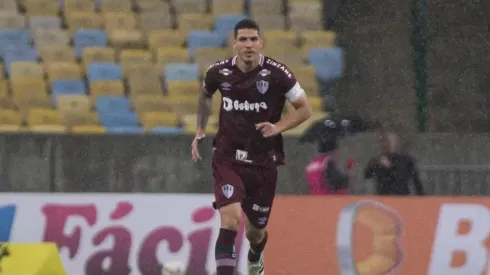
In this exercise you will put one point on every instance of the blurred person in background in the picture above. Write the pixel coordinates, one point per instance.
(393, 169)
(322, 173)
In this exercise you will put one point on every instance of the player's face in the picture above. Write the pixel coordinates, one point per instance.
(247, 45)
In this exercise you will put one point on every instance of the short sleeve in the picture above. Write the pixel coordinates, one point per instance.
(210, 82)
(292, 89)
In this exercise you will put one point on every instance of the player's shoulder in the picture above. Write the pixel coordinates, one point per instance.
(277, 67)
(222, 66)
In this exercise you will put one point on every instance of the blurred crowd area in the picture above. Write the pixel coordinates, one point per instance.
(123, 66)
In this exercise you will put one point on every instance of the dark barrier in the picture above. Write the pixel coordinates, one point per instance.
(147, 163)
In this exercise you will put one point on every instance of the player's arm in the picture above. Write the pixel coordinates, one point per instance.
(203, 110)
(302, 109)
(205, 101)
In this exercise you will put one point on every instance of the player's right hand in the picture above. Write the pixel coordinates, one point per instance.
(195, 147)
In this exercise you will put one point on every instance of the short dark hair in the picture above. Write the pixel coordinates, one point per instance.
(246, 24)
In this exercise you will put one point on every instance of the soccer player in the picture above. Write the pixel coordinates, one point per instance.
(248, 146)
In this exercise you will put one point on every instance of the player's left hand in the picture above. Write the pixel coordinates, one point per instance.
(267, 129)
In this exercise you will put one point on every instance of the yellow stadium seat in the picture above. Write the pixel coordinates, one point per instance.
(8, 6)
(207, 56)
(306, 77)
(53, 54)
(271, 21)
(43, 116)
(75, 110)
(115, 6)
(51, 37)
(119, 20)
(127, 38)
(267, 7)
(42, 7)
(305, 16)
(134, 58)
(150, 120)
(26, 69)
(97, 54)
(30, 93)
(12, 20)
(316, 103)
(88, 129)
(145, 81)
(7, 128)
(165, 38)
(151, 103)
(83, 20)
(190, 124)
(189, 6)
(289, 55)
(10, 117)
(78, 6)
(278, 37)
(6, 102)
(157, 6)
(318, 39)
(183, 88)
(48, 129)
(195, 21)
(4, 87)
(106, 87)
(183, 104)
(226, 7)
(166, 55)
(155, 20)
(63, 70)
(216, 104)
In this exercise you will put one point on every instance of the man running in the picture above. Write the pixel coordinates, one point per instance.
(249, 145)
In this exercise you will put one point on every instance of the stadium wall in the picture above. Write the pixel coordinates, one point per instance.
(451, 164)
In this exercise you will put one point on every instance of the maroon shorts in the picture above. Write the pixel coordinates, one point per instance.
(253, 186)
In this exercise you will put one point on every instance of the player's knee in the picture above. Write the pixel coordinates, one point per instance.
(230, 216)
(255, 235)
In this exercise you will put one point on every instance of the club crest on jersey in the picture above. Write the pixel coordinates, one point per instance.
(225, 72)
(262, 86)
(227, 190)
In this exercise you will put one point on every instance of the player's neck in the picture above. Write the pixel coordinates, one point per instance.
(247, 67)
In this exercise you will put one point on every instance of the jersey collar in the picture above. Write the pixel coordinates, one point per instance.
(261, 60)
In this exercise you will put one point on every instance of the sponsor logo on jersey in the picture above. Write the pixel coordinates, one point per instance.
(265, 72)
(280, 66)
(225, 72)
(262, 209)
(235, 105)
(242, 156)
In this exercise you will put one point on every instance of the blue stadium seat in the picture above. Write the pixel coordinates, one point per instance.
(125, 130)
(181, 72)
(89, 38)
(112, 104)
(21, 53)
(14, 37)
(224, 24)
(104, 71)
(167, 131)
(121, 119)
(328, 62)
(203, 39)
(68, 87)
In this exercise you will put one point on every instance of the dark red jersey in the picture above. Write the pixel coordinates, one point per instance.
(247, 99)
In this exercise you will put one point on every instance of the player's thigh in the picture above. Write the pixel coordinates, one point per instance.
(261, 190)
(228, 185)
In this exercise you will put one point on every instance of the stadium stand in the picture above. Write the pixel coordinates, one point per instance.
(117, 66)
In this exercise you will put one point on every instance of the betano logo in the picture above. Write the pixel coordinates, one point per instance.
(7, 215)
(462, 240)
(368, 239)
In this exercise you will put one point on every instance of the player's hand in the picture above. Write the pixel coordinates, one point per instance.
(267, 129)
(195, 146)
